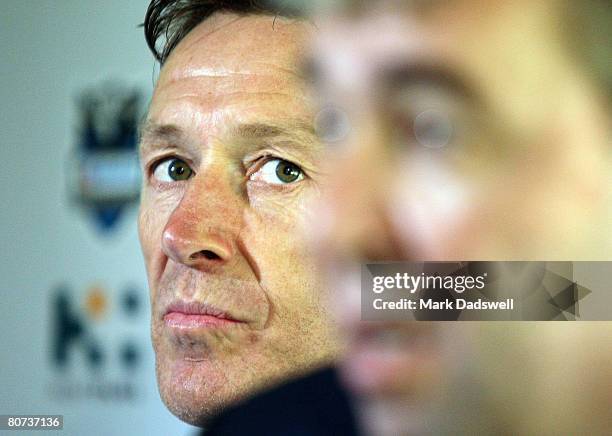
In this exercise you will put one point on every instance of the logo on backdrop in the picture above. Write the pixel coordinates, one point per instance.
(84, 353)
(104, 176)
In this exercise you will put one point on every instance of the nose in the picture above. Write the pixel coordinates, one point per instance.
(196, 247)
(202, 230)
(355, 221)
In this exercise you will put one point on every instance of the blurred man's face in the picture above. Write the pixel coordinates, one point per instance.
(465, 132)
(229, 164)
(472, 130)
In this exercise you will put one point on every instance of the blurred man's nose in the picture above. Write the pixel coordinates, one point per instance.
(201, 232)
(356, 201)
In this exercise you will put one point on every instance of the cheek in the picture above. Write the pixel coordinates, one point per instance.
(541, 202)
(286, 211)
(273, 235)
(148, 230)
(344, 289)
(432, 209)
(152, 218)
(275, 222)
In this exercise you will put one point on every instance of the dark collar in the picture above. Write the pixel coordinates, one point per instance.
(314, 405)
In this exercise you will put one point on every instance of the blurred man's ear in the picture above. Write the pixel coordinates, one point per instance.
(607, 219)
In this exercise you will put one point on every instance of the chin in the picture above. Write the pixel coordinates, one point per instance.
(194, 391)
(197, 390)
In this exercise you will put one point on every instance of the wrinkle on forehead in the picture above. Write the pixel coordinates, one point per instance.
(227, 45)
(261, 68)
(233, 90)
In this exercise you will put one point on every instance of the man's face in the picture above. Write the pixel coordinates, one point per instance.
(477, 132)
(230, 161)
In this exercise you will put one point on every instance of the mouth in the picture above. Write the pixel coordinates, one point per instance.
(182, 315)
(383, 357)
(390, 334)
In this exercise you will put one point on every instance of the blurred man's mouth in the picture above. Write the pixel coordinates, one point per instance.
(385, 357)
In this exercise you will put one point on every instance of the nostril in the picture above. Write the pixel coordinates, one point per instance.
(210, 255)
(206, 254)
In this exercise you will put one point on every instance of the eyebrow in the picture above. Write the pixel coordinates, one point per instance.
(298, 132)
(415, 74)
(150, 131)
(409, 74)
(293, 134)
(266, 131)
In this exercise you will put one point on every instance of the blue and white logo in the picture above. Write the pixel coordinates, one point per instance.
(105, 173)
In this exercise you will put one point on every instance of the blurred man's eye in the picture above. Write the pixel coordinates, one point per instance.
(429, 128)
(332, 124)
(432, 128)
(172, 170)
(278, 172)
(425, 117)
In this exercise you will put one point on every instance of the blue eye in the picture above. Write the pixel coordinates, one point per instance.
(172, 170)
(279, 172)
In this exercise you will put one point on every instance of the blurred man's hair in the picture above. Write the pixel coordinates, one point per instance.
(169, 21)
(588, 30)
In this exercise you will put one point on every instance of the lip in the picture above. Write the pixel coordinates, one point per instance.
(183, 315)
(382, 356)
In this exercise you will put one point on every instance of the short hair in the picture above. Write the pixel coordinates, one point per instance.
(172, 20)
(588, 33)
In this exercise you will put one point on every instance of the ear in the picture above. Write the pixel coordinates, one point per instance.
(607, 219)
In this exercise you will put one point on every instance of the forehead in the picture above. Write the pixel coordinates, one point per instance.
(357, 8)
(228, 43)
(246, 64)
(484, 42)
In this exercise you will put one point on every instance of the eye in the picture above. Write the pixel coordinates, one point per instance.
(332, 124)
(172, 170)
(278, 172)
(425, 115)
(433, 129)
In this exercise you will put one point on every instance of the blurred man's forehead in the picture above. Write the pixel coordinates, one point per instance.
(358, 7)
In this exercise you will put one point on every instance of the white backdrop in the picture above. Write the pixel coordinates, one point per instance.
(50, 51)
